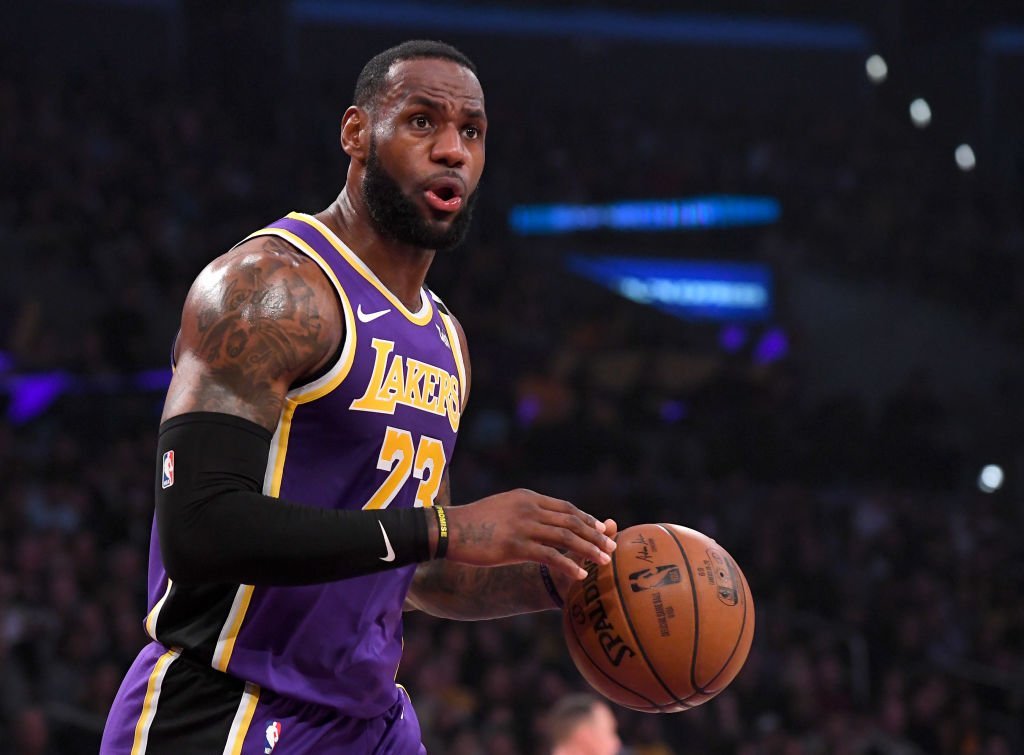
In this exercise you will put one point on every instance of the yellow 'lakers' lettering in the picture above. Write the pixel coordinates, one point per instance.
(397, 380)
(412, 385)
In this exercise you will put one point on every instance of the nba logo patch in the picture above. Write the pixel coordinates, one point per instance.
(168, 470)
(273, 733)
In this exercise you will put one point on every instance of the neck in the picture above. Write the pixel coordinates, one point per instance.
(567, 748)
(400, 267)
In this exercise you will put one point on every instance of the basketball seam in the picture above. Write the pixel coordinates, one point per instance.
(632, 630)
(696, 612)
(596, 667)
(743, 623)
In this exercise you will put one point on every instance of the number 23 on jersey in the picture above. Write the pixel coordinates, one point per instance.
(400, 460)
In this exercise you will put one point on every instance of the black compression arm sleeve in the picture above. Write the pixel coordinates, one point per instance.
(216, 526)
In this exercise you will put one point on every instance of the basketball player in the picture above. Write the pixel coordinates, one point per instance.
(581, 724)
(302, 471)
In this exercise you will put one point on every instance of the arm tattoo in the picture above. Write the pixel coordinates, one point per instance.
(255, 330)
(482, 533)
(468, 593)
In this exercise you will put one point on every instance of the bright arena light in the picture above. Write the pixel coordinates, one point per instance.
(991, 478)
(965, 157)
(877, 69)
(920, 113)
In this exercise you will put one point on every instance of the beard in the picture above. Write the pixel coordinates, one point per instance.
(397, 216)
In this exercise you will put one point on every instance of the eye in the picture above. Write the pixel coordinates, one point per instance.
(420, 121)
(471, 132)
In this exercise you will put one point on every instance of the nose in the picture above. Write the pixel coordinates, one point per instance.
(449, 148)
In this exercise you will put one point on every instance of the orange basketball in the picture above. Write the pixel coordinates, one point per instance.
(666, 625)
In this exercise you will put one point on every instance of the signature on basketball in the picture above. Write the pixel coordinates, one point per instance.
(646, 548)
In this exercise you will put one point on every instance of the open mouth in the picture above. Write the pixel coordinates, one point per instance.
(444, 195)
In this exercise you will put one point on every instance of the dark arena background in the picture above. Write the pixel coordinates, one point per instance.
(752, 267)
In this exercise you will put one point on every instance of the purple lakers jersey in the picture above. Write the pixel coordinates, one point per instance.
(376, 430)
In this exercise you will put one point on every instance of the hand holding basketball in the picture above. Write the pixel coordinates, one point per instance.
(521, 525)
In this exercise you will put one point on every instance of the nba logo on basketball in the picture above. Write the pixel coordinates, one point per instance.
(168, 470)
(273, 732)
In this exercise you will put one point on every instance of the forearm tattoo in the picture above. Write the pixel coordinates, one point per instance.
(469, 593)
(475, 534)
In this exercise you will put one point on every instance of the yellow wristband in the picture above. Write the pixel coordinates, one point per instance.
(442, 532)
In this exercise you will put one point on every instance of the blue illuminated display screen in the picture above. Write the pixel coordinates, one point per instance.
(687, 289)
(650, 215)
(32, 394)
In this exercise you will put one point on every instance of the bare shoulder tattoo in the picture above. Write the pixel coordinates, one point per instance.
(260, 321)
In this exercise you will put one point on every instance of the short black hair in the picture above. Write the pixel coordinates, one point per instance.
(566, 715)
(371, 79)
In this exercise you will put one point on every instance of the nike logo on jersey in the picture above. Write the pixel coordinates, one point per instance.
(387, 544)
(369, 316)
(444, 338)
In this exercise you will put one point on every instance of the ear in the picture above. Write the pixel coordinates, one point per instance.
(355, 133)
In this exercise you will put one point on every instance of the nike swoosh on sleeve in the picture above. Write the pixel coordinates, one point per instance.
(387, 544)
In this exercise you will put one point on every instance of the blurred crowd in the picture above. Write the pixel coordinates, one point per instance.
(888, 621)
(887, 591)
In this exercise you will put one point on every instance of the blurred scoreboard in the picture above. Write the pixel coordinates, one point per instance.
(729, 291)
